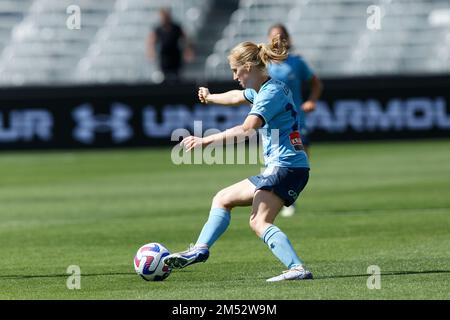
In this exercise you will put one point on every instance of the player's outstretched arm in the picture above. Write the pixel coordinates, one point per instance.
(229, 98)
(239, 133)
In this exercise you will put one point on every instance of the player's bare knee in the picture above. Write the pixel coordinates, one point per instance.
(222, 200)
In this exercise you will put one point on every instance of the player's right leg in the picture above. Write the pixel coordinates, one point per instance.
(266, 206)
(238, 194)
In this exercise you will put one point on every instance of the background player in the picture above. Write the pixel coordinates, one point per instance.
(287, 163)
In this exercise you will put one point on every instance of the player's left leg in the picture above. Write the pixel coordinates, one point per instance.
(238, 194)
(266, 206)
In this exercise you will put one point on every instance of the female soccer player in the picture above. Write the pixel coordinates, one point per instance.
(287, 164)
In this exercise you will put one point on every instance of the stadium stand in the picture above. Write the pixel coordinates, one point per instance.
(333, 35)
(117, 53)
(11, 13)
(42, 49)
(109, 47)
(37, 47)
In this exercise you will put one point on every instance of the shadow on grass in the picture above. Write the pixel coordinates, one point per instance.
(65, 275)
(388, 273)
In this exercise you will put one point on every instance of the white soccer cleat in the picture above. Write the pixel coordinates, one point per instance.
(288, 211)
(296, 273)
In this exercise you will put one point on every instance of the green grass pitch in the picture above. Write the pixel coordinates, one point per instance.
(377, 203)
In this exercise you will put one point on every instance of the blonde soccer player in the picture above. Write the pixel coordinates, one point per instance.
(287, 167)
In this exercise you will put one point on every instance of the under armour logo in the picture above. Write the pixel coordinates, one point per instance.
(88, 123)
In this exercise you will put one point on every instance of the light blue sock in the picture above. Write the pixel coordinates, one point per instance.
(279, 243)
(217, 223)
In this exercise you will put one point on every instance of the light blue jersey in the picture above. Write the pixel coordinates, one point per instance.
(280, 132)
(293, 71)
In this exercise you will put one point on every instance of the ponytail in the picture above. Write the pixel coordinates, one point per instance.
(277, 51)
(260, 55)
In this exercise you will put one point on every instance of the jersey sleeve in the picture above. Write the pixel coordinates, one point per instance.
(305, 73)
(249, 95)
(266, 107)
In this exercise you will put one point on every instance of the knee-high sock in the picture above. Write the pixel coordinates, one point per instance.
(281, 247)
(217, 223)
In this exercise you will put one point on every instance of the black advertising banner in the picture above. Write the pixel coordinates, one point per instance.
(382, 108)
(146, 115)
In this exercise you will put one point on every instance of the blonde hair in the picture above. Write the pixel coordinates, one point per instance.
(259, 55)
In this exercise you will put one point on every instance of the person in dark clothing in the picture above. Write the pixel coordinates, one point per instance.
(169, 39)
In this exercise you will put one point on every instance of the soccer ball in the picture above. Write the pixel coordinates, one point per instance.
(149, 264)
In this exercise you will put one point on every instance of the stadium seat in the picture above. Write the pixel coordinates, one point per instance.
(331, 34)
(120, 42)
